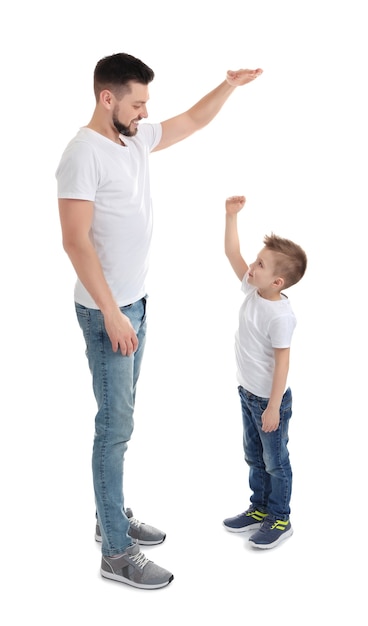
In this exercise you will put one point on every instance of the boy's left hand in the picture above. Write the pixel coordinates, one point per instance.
(270, 420)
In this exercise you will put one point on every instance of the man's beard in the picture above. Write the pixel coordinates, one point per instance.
(124, 130)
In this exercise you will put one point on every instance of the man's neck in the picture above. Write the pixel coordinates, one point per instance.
(105, 128)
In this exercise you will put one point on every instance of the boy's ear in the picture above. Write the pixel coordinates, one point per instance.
(278, 282)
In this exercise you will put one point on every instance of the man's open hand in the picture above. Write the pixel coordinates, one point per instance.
(242, 77)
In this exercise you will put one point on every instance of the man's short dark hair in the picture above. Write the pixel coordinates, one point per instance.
(116, 71)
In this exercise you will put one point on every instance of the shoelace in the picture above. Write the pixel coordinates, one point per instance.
(139, 559)
(268, 523)
(134, 522)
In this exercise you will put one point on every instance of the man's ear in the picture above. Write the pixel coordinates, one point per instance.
(106, 98)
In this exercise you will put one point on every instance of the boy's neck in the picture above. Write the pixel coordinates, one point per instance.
(268, 294)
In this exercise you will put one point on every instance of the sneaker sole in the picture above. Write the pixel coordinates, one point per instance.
(268, 546)
(98, 538)
(243, 529)
(132, 583)
(149, 543)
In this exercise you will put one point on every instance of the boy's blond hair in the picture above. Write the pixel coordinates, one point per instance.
(290, 259)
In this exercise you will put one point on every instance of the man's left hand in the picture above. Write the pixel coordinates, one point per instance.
(242, 77)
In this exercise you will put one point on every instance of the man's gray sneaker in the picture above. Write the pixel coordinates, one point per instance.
(133, 568)
(144, 534)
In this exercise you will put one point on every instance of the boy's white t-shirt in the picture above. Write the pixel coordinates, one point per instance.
(263, 326)
(116, 179)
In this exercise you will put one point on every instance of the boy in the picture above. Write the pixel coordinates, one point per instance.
(262, 347)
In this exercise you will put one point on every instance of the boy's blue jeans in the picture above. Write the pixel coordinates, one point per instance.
(114, 378)
(270, 474)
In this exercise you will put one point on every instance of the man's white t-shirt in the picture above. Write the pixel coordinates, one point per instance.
(263, 326)
(116, 179)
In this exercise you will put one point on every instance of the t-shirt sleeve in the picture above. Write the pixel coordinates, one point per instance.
(78, 172)
(152, 134)
(281, 331)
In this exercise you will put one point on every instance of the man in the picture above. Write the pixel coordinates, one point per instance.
(106, 220)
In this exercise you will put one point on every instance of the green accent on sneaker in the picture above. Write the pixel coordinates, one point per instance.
(257, 515)
(271, 533)
(249, 520)
(280, 524)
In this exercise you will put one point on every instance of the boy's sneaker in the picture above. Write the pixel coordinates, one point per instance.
(133, 568)
(271, 533)
(143, 534)
(249, 520)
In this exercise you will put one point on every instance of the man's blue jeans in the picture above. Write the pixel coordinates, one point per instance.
(114, 378)
(270, 474)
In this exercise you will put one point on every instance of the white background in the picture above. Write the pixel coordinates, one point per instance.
(295, 143)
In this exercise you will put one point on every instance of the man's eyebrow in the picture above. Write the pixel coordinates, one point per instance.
(141, 101)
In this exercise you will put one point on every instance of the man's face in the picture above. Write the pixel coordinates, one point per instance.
(131, 109)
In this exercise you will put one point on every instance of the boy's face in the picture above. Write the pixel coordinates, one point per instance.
(261, 272)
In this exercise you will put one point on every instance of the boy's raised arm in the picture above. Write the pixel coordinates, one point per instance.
(233, 205)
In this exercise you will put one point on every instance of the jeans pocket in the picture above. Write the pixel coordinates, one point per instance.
(285, 413)
(286, 404)
(84, 320)
(262, 404)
